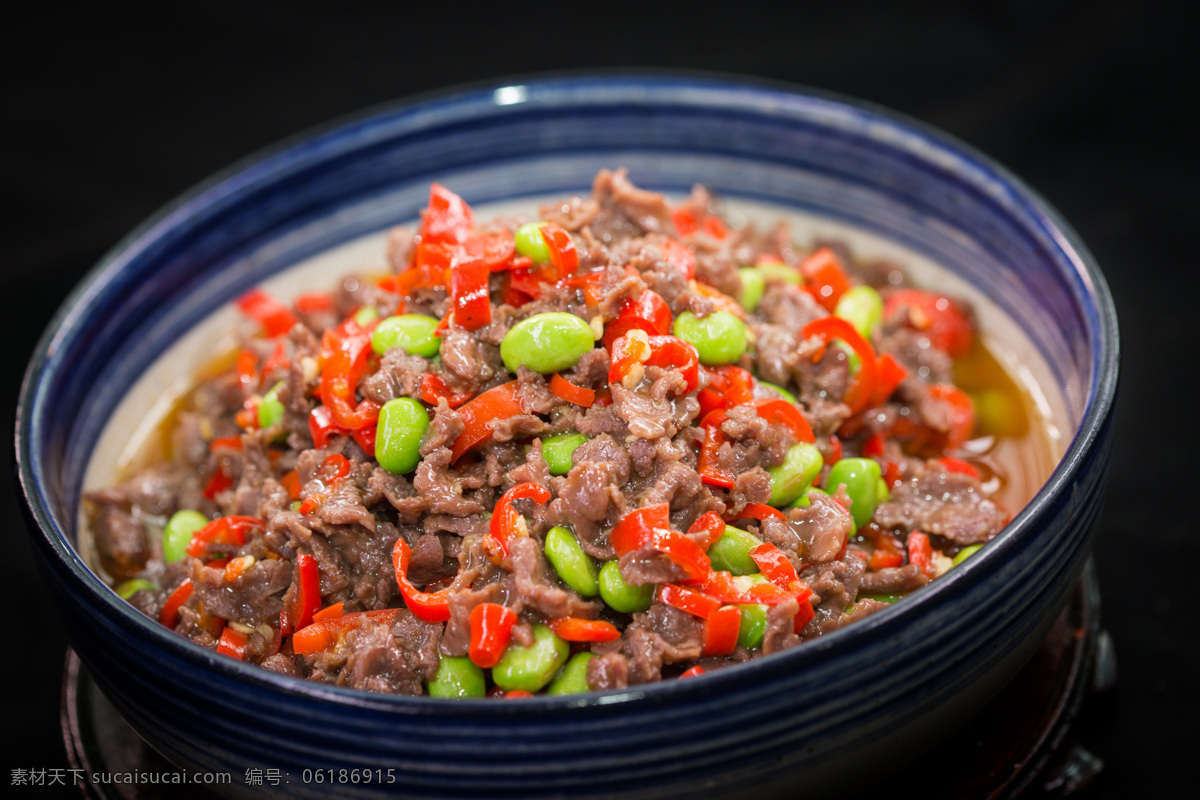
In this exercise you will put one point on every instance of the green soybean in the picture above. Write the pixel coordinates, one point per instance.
(964, 554)
(620, 595)
(546, 343)
(270, 409)
(366, 315)
(558, 449)
(861, 478)
(779, 390)
(412, 332)
(803, 500)
(127, 589)
(572, 678)
(531, 668)
(753, 625)
(530, 242)
(883, 598)
(862, 307)
(177, 535)
(719, 338)
(753, 286)
(789, 480)
(575, 567)
(881, 491)
(402, 423)
(732, 552)
(456, 677)
(779, 271)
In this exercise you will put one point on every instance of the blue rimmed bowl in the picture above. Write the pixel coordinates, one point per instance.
(835, 712)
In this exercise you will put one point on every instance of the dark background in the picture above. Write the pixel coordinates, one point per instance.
(111, 113)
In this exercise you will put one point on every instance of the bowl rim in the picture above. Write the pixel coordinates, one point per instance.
(895, 130)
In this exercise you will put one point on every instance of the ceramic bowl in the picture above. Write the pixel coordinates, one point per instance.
(836, 712)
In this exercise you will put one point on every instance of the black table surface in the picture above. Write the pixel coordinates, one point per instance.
(111, 112)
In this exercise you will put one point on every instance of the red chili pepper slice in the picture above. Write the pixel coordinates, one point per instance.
(680, 257)
(491, 627)
(720, 585)
(758, 511)
(169, 614)
(826, 280)
(469, 299)
(835, 449)
(862, 385)
(218, 483)
(232, 643)
(498, 402)
(226, 530)
(943, 319)
(426, 606)
(708, 463)
(670, 352)
(711, 526)
(692, 672)
(516, 694)
(322, 426)
(579, 395)
(291, 482)
(333, 467)
(314, 302)
(366, 438)
(276, 318)
(889, 374)
(960, 466)
(693, 602)
(685, 220)
(246, 368)
(494, 249)
(805, 615)
(625, 352)
(637, 527)
(346, 350)
(783, 412)
(561, 246)
(226, 443)
(308, 590)
(874, 446)
(330, 612)
(504, 520)
(574, 629)
(721, 631)
(447, 218)
(433, 388)
(649, 312)
(775, 566)
(920, 552)
(320, 636)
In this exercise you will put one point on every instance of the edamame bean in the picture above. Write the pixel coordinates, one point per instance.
(557, 450)
(457, 676)
(789, 480)
(402, 423)
(413, 332)
(572, 678)
(127, 589)
(270, 409)
(779, 390)
(732, 552)
(803, 500)
(964, 554)
(531, 668)
(861, 478)
(779, 271)
(365, 315)
(752, 287)
(881, 492)
(530, 242)
(620, 595)
(177, 535)
(883, 598)
(547, 342)
(753, 625)
(719, 338)
(862, 307)
(575, 567)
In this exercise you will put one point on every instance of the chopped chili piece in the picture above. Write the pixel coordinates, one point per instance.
(721, 631)
(275, 318)
(168, 615)
(491, 627)
(232, 643)
(573, 629)
(579, 395)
